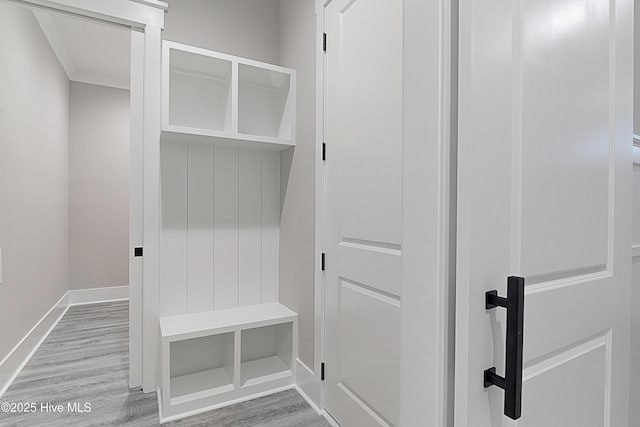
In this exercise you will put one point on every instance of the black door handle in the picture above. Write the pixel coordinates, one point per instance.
(511, 383)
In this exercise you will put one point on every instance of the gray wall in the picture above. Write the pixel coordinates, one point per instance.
(247, 28)
(98, 186)
(297, 225)
(34, 127)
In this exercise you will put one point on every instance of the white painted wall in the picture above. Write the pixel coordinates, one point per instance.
(296, 49)
(34, 127)
(247, 28)
(98, 186)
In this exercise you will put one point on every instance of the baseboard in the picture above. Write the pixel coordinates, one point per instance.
(309, 386)
(96, 295)
(18, 357)
(308, 400)
(327, 416)
(198, 411)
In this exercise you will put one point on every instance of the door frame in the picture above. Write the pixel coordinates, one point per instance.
(429, 211)
(145, 18)
(428, 244)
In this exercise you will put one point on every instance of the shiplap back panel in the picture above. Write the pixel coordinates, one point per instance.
(250, 226)
(173, 237)
(200, 179)
(270, 225)
(220, 227)
(225, 229)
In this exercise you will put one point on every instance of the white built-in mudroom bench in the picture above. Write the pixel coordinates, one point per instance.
(224, 334)
(220, 356)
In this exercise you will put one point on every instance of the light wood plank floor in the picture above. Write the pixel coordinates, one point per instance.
(85, 359)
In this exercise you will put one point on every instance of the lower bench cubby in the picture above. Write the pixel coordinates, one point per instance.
(201, 367)
(221, 357)
(266, 354)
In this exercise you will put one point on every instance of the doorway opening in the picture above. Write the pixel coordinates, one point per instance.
(65, 160)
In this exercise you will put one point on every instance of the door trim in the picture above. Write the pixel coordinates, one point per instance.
(429, 211)
(635, 249)
(315, 388)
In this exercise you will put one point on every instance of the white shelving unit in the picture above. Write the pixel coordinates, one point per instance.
(214, 357)
(226, 201)
(225, 99)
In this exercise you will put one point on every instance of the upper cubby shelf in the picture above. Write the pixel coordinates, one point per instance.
(225, 99)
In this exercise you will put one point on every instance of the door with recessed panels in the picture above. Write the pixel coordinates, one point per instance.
(544, 193)
(363, 132)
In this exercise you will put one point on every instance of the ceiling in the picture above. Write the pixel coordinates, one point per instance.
(89, 52)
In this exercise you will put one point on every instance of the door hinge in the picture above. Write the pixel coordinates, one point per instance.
(324, 151)
(324, 42)
(322, 371)
(322, 261)
(137, 252)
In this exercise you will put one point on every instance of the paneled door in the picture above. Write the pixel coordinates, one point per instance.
(363, 210)
(544, 191)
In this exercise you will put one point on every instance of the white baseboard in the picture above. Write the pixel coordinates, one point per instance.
(18, 357)
(198, 411)
(327, 416)
(309, 386)
(96, 295)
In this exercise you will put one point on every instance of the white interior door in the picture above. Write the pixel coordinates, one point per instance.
(545, 130)
(363, 210)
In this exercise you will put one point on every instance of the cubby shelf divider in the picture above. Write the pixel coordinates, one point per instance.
(226, 100)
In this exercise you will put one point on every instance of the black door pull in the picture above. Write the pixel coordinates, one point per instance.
(511, 383)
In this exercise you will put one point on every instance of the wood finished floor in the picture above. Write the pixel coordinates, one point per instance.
(85, 359)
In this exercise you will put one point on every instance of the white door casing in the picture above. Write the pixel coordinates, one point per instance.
(363, 210)
(634, 387)
(136, 212)
(428, 187)
(544, 190)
